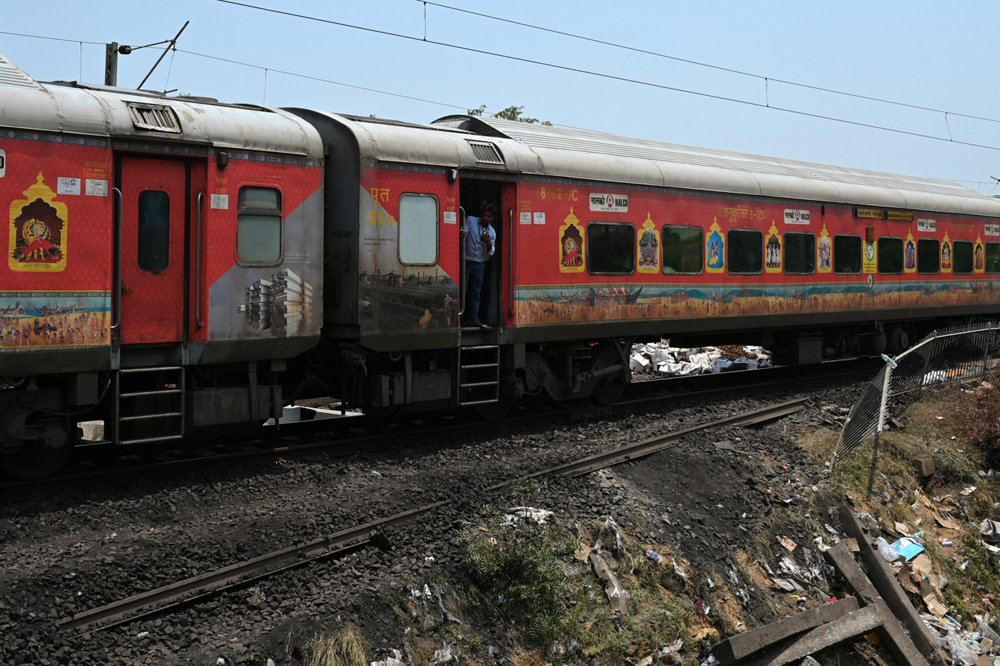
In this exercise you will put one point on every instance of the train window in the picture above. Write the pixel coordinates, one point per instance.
(258, 226)
(682, 250)
(610, 248)
(418, 229)
(745, 251)
(846, 254)
(993, 258)
(890, 255)
(928, 255)
(963, 257)
(154, 231)
(800, 253)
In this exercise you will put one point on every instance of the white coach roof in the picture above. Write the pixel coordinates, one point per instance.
(584, 154)
(88, 110)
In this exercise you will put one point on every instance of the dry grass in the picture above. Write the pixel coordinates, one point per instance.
(347, 647)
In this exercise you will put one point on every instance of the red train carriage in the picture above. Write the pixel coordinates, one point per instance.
(164, 260)
(605, 238)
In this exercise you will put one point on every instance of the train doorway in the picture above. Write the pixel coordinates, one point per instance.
(153, 221)
(475, 195)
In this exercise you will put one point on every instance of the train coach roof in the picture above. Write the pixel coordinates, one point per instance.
(584, 154)
(118, 113)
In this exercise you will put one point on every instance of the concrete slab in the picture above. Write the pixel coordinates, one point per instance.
(743, 645)
(883, 578)
(826, 635)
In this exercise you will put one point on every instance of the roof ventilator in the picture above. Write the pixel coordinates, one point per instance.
(486, 153)
(154, 118)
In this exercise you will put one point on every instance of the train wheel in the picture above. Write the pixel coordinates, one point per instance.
(37, 459)
(610, 390)
(897, 340)
(494, 411)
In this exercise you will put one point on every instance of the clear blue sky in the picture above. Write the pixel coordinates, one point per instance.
(925, 53)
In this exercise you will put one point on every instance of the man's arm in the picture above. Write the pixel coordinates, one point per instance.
(491, 240)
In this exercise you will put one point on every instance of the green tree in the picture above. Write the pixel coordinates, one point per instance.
(510, 113)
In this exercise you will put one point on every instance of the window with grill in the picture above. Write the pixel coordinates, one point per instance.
(993, 258)
(745, 251)
(418, 229)
(928, 255)
(846, 254)
(486, 153)
(153, 253)
(800, 253)
(890, 255)
(963, 257)
(258, 226)
(683, 250)
(610, 248)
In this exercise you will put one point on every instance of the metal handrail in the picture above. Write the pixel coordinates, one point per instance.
(461, 266)
(197, 263)
(116, 302)
(510, 266)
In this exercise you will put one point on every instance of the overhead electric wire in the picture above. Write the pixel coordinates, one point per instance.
(51, 39)
(720, 68)
(613, 77)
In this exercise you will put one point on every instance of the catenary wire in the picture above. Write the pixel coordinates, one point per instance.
(409, 97)
(613, 77)
(709, 65)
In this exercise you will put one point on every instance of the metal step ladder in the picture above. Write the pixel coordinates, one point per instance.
(149, 404)
(478, 374)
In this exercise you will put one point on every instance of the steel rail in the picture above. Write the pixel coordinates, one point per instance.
(198, 587)
(655, 444)
(372, 443)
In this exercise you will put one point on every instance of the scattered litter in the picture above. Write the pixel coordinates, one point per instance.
(889, 554)
(394, 659)
(656, 557)
(514, 514)
(787, 543)
(142, 634)
(989, 530)
(703, 607)
(661, 359)
(947, 524)
(908, 547)
(788, 584)
(964, 565)
(668, 654)
(443, 655)
(965, 492)
(944, 542)
(832, 530)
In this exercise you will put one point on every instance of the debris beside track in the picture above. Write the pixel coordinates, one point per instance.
(659, 359)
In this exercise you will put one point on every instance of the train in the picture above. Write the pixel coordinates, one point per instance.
(181, 269)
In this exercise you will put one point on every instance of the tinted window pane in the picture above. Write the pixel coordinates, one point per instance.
(928, 255)
(258, 227)
(260, 197)
(258, 239)
(682, 250)
(800, 253)
(418, 229)
(847, 254)
(610, 248)
(963, 257)
(890, 256)
(993, 258)
(745, 251)
(154, 231)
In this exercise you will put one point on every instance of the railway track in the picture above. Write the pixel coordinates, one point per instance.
(353, 435)
(192, 590)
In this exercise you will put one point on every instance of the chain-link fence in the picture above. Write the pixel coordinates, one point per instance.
(947, 355)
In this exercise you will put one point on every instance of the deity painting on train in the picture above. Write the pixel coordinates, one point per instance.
(979, 264)
(946, 256)
(649, 247)
(911, 255)
(38, 230)
(824, 248)
(772, 250)
(571, 245)
(715, 247)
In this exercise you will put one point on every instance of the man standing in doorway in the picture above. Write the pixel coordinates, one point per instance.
(480, 239)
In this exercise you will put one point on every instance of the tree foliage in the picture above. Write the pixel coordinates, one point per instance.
(510, 113)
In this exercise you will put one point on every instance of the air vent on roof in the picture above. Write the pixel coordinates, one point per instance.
(486, 153)
(12, 75)
(154, 118)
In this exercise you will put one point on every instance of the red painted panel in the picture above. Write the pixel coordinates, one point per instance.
(152, 303)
